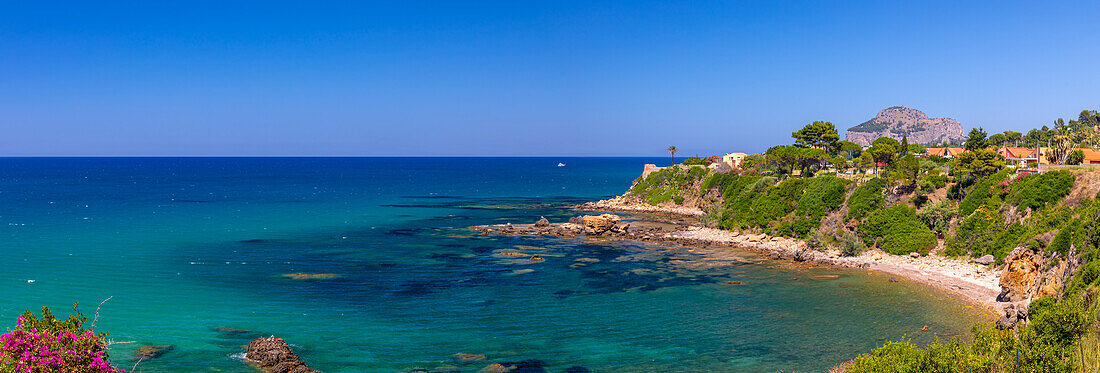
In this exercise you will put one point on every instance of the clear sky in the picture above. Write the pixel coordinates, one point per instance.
(522, 77)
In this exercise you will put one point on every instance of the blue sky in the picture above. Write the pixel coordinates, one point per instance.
(523, 77)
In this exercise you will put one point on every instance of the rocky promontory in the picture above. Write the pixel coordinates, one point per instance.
(897, 121)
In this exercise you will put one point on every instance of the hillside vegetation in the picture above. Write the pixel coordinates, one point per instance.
(970, 206)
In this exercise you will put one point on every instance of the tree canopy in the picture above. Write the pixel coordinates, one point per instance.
(819, 134)
(976, 139)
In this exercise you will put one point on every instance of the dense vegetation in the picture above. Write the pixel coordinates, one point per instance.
(836, 196)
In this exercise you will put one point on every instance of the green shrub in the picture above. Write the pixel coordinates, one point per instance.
(693, 161)
(738, 195)
(1007, 239)
(983, 194)
(1060, 243)
(958, 190)
(776, 202)
(1046, 344)
(919, 200)
(1037, 191)
(866, 198)
(1036, 245)
(823, 194)
(667, 184)
(1075, 157)
(851, 244)
(897, 230)
(975, 234)
(929, 183)
(798, 228)
(938, 217)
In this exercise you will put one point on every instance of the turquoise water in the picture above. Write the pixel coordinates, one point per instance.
(186, 245)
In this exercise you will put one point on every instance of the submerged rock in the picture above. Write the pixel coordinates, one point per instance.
(152, 352)
(275, 356)
(468, 358)
(311, 276)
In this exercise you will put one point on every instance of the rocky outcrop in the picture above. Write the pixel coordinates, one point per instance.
(604, 223)
(985, 260)
(1028, 275)
(1013, 315)
(628, 204)
(899, 120)
(592, 225)
(274, 355)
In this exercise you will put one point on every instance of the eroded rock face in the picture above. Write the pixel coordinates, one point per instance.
(275, 356)
(1028, 275)
(1020, 275)
(602, 224)
(898, 120)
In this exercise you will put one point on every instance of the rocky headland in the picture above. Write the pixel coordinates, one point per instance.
(897, 121)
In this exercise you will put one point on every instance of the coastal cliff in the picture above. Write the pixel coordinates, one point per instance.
(898, 121)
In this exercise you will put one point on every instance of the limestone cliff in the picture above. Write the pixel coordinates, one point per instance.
(899, 120)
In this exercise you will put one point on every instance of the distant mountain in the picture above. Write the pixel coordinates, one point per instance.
(899, 120)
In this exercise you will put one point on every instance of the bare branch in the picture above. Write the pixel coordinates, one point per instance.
(96, 318)
(134, 368)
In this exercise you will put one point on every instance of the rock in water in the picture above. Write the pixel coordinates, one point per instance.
(468, 358)
(542, 222)
(599, 224)
(899, 120)
(152, 352)
(275, 356)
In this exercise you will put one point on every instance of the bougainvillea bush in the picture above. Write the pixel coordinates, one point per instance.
(49, 344)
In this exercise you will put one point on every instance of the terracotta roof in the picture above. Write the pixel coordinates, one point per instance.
(1091, 156)
(945, 152)
(1016, 152)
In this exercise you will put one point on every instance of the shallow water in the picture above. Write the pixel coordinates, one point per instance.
(185, 246)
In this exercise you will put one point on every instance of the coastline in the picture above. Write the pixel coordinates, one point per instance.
(971, 282)
(622, 204)
(975, 283)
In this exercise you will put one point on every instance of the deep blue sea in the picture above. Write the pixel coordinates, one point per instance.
(186, 246)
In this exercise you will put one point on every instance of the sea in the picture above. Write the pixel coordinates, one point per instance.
(194, 253)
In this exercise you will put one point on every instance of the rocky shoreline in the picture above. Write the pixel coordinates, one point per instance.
(624, 204)
(974, 282)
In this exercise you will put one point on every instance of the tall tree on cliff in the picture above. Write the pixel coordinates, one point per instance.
(819, 135)
(672, 150)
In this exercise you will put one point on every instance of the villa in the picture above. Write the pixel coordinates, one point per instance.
(734, 159)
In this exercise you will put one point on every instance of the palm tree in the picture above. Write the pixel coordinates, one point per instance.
(672, 150)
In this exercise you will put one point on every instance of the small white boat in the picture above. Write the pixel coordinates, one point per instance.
(561, 164)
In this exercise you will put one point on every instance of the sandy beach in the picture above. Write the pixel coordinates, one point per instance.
(974, 282)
